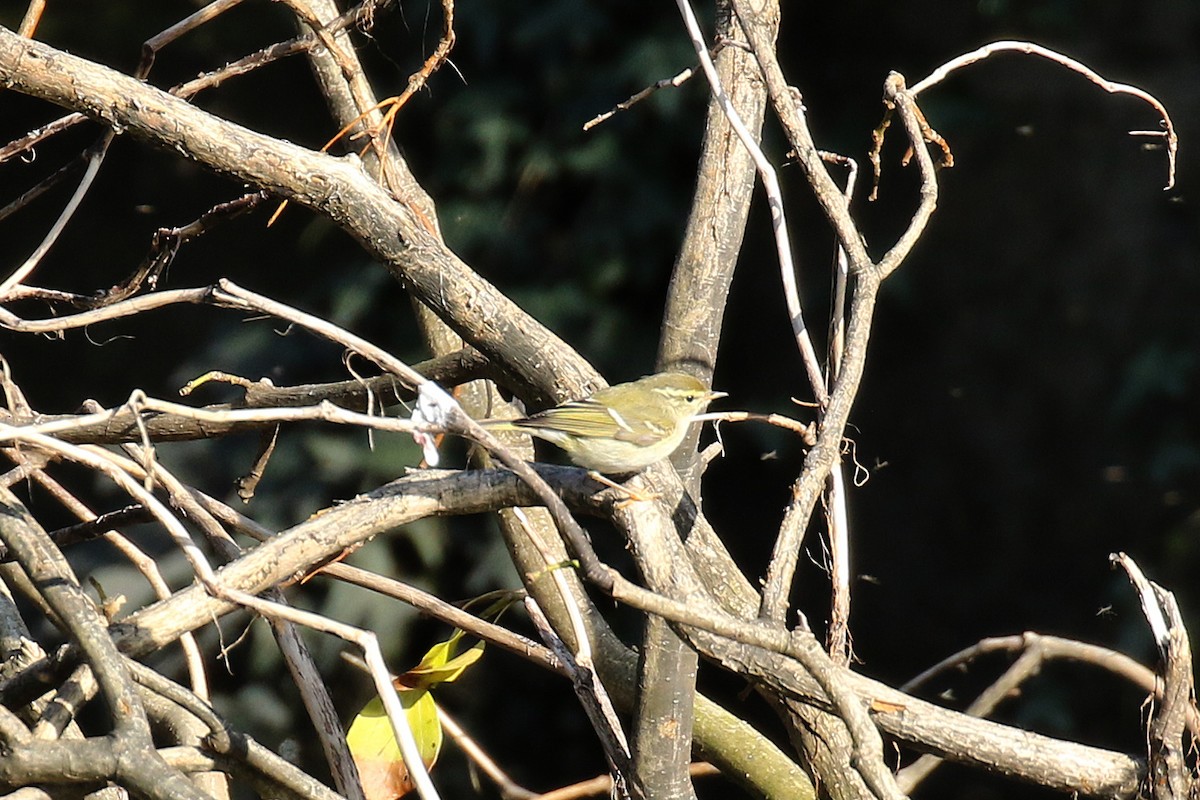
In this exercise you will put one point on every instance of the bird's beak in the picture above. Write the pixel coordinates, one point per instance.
(716, 395)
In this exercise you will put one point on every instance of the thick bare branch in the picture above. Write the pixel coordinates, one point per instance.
(691, 332)
(539, 364)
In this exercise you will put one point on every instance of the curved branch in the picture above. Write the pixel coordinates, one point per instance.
(1168, 135)
(539, 364)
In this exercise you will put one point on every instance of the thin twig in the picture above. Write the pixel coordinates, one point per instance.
(33, 15)
(509, 789)
(807, 432)
(1168, 135)
(602, 785)
(770, 181)
(323, 411)
(95, 159)
(596, 705)
(580, 666)
(836, 514)
(44, 185)
(675, 81)
(143, 563)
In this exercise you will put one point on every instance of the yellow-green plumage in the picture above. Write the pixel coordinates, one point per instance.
(623, 428)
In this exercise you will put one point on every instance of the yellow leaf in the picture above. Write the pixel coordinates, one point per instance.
(374, 747)
(438, 666)
(372, 743)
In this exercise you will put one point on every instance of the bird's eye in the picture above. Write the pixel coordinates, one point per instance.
(691, 398)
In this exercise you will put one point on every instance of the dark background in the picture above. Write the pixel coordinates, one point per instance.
(1031, 401)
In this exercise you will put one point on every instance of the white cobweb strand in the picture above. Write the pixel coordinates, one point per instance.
(434, 407)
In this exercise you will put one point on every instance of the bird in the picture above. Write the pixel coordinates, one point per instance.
(624, 428)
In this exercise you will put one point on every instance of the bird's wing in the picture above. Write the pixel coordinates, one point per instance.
(579, 418)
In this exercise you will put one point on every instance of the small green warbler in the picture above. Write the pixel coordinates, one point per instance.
(624, 428)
